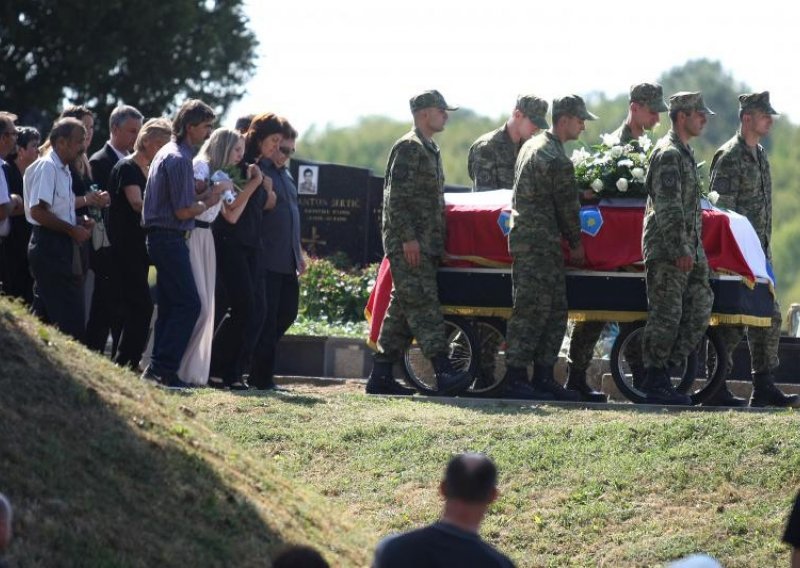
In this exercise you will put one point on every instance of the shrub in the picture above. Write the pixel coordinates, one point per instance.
(335, 295)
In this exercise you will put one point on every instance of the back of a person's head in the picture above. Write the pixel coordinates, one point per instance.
(470, 477)
(299, 557)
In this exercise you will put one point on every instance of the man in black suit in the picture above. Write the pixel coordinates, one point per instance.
(124, 125)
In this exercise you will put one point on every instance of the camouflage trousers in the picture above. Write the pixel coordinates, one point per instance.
(679, 308)
(414, 310)
(539, 317)
(763, 342)
(585, 335)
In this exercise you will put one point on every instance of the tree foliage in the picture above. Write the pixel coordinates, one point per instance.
(148, 54)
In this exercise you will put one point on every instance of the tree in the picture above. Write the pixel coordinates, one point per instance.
(151, 55)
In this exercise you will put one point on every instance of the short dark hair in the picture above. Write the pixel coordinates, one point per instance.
(63, 128)
(26, 135)
(288, 131)
(308, 171)
(470, 477)
(243, 123)
(261, 127)
(76, 111)
(191, 113)
(299, 557)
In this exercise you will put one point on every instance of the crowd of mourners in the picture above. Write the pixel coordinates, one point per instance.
(213, 210)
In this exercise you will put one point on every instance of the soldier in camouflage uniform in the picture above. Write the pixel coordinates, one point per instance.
(413, 240)
(546, 209)
(493, 155)
(740, 175)
(678, 291)
(646, 101)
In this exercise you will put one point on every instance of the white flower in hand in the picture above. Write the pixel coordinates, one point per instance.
(645, 142)
(622, 184)
(713, 196)
(625, 163)
(579, 156)
(616, 152)
(609, 139)
(638, 174)
(597, 185)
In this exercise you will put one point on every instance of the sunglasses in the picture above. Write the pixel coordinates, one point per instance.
(286, 151)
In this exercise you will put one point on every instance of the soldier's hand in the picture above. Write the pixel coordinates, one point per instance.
(684, 263)
(411, 252)
(577, 255)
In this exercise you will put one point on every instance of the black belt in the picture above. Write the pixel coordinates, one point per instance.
(202, 224)
(150, 230)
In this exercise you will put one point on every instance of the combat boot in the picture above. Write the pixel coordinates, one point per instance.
(449, 381)
(765, 393)
(576, 381)
(638, 372)
(543, 380)
(516, 385)
(724, 397)
(381, 380)
(658, 389)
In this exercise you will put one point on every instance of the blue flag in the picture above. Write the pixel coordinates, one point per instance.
(591, 220)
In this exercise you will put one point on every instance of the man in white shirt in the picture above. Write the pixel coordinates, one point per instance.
(8, 143)
(53, 250)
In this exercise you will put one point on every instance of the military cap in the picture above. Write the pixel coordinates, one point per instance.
(428, 99)
(688, 102)
(756, 101)
(650, 94)
(572, 105)
(534, 108)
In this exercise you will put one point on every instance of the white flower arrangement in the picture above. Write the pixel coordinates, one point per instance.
(612, 168)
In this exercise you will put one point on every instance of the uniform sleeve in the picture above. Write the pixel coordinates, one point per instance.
(565, 201)
(480, 168)
(667, 204)
(725, 180)
(403, 172)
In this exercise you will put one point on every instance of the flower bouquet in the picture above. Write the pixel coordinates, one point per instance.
(613, 169)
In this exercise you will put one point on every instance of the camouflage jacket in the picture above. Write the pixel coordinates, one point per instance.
(545, 198)
(413, 203)
(741, 176)
(624, 133)
(672, 218)
(491, 161)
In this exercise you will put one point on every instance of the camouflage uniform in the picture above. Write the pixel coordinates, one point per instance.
(546, 202)
(492, 156)
(413, 209)
(741, 176)
(586, 334)
(679, 302)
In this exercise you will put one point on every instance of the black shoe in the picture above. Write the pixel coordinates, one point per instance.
(381, 380)
(150, 375)
(577, 382)
(544, 381)
(449, 381)
(658, 389)
(516, 385)
(765, 393)
(216, 383)
(725, 398)
(638, 373)
(172, 382)
(239, 385)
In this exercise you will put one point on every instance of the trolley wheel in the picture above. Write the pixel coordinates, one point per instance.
(461, 350)
(490, 352)
(708, 367)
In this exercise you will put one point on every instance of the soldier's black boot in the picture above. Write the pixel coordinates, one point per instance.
(381, 380)
(516, 385)
(658, 389)
(638, 372)
(724, 397)
(543, 380)
(576, 381)
(765, 393)
(449, 381)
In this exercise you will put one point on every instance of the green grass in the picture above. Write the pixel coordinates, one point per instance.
(106, 471)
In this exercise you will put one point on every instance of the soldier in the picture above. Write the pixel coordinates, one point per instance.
(413, 239)
(646, 101)
(678, 292)
(546, 209)
(493, 155)
(740, 174)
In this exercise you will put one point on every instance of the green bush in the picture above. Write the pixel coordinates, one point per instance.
(331, 294)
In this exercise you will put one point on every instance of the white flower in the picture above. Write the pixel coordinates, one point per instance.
(609, 140)
(579, 156)
(645, 142)
(597, 185)
(638, 173)
(713, 196)
(622, 184)
(616, 152)
(625, 163)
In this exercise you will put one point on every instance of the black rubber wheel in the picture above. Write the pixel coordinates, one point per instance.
(462, 347)
(490, 352)
(699, 378)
